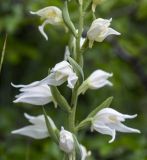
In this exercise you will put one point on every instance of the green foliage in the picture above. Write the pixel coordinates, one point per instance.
(29, 56)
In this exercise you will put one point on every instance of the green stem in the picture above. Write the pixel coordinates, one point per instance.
(79, 59)
(79, 56)
(72, 114)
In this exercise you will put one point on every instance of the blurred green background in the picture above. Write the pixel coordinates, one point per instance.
(29, 56)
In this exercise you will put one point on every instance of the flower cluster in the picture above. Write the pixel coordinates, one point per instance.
(103, 120)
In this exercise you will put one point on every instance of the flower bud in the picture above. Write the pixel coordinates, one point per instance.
(66, 141)
(96, 80)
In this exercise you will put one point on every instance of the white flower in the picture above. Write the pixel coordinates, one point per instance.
(96, 80)
(99, 30)
(37, 129)
(108, 121)
(50, 15)
(66, 141)
(84, 153)
(61, 73)
(36, 95)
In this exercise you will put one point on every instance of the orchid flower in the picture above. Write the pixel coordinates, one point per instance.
(96, 80)
(50, 15)
(37, 129)
(99, 30)
(36, 95)
(108, 121)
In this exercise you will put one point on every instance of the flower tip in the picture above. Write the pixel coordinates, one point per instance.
(41, 29)
(110, 19)
(118, 33)
(111, 74)
(13, 132)
(26, 115)
(62, 128)
(15, 101)
(13, 85)
(31, 12)
(138, 131)
(111, 140)
(135, 115)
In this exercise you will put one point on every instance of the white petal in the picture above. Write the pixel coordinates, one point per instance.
(110, 31)
(99, 74)
(72, 79)
(101, 128)
(35, 119)
(98, 79)
(26, 86)
(60, 66)
(31, 12)
(39, 120)
(47, 11)
(51, 80)
(84, 152)
(118, 116)
(82, 40)
(34, 100)
(41, 29)
(100, 84)
(129, 116)
(122, 128)
(32, 131)
(39, 89)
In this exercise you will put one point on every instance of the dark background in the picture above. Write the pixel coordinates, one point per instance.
(29, 56)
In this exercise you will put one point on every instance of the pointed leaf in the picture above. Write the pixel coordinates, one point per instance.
(67, 19)
(52, 132)
(77, 68)
(105, 104)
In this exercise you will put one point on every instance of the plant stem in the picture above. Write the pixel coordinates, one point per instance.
(79, 56)
(79, 59)
(72, 115)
